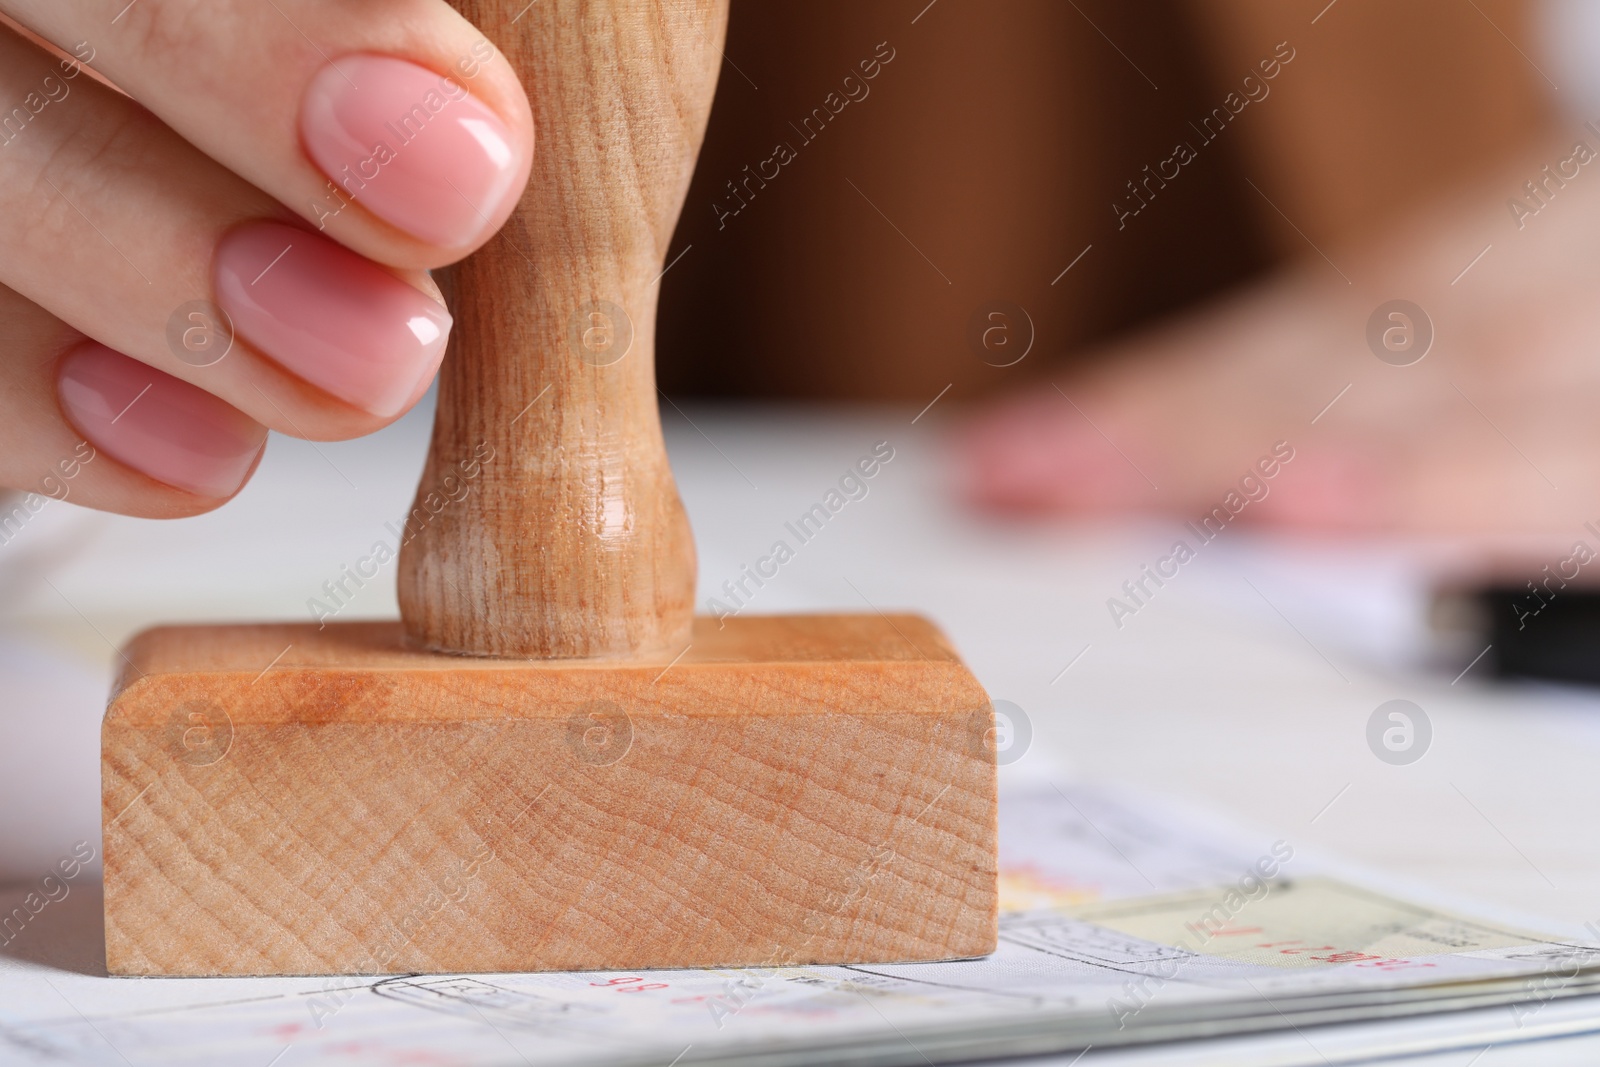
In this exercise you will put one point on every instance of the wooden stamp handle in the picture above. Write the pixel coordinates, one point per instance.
(547, 523)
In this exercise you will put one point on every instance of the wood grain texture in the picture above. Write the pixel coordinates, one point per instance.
(573, 542)
(606, 782)
(789, 790)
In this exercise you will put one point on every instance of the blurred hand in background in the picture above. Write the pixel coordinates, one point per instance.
(1189, 217)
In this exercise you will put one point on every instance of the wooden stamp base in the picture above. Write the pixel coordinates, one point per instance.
(280, 799)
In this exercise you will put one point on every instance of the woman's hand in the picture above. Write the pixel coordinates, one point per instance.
(239, 243)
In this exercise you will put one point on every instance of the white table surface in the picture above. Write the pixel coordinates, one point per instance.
(1244, 686)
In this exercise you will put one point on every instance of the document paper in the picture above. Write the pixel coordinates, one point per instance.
(1122, 921)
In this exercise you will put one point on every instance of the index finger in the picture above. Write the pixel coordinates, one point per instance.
(393, 125)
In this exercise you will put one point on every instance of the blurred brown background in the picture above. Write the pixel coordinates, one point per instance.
(988, 152)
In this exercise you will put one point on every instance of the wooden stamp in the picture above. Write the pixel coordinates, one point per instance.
(549, 763)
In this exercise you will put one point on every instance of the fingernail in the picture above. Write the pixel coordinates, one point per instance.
(326, 314)
(1038, 454)
(155, 423)
(413, 146)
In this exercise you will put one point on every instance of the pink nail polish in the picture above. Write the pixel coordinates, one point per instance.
(414, 147)
(1037, 454)
(324, 313)
(155, 423)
